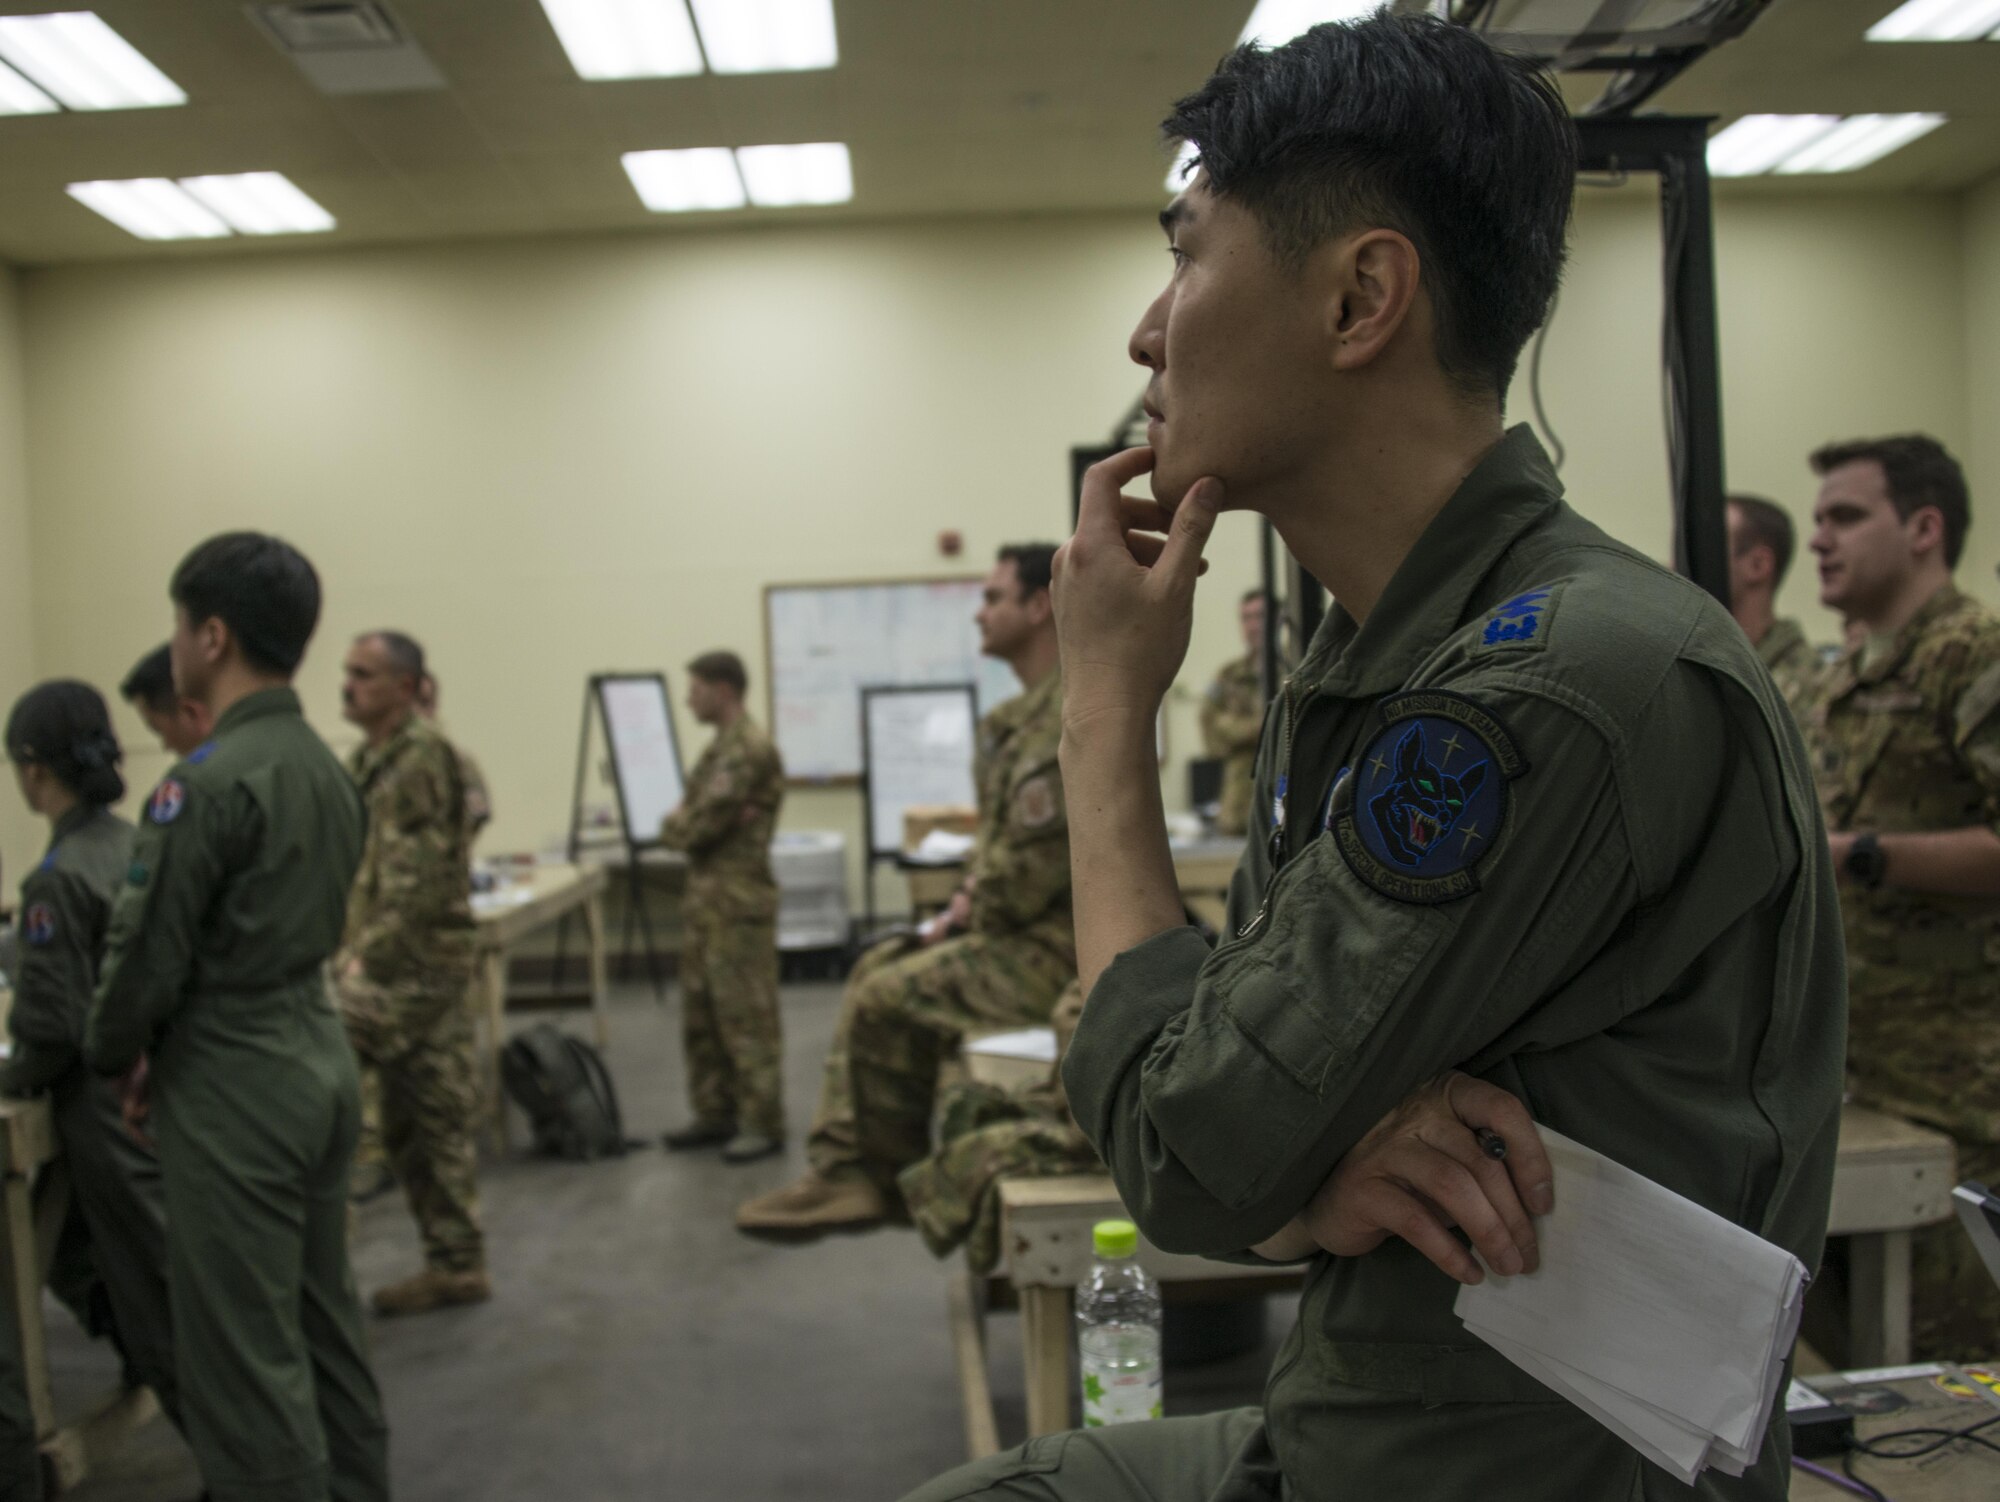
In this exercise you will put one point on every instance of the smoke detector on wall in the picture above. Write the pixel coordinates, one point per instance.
(348, 46)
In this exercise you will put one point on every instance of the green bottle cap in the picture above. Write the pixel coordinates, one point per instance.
(1115, 1238)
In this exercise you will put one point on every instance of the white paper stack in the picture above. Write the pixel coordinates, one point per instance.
(1661, 1320)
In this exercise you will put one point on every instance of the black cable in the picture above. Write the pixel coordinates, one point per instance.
(1868, 1489)
(1935, 1440)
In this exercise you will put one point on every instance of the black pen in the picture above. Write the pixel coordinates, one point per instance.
(1492, 1144)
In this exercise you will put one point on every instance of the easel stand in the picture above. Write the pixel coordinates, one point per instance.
(637, 912)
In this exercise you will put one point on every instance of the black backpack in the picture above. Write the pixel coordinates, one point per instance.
(563, 1086)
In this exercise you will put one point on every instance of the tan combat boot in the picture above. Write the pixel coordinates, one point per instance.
(812, 1205)
(433, 1288)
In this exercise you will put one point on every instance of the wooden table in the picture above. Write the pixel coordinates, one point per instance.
(1889, 1178)
(509, 914)
(1964, 1472)
(28, 1146)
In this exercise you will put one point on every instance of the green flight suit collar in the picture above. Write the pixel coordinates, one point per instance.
(1510, 490)
(71, 822)
(1785, 637)
(1858, 669)
(258, 706)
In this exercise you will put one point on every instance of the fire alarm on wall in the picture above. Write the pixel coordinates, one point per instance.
(951, 543)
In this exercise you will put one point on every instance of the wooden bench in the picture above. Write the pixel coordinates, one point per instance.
(28, 1146)
(1890, 1177)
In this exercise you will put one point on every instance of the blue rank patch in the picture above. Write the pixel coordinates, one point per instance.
(1430, 798)
(168, 799)
(201, 753)
(38, 925)
(1519, 620)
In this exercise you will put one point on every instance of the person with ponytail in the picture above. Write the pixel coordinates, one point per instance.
(65, 760)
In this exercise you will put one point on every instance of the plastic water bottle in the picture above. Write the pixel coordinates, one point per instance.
(1118, 1331)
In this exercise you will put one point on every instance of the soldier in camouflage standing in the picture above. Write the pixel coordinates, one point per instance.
(1760, 551)
(478, 799)
(729, 959)
(404, 965)
(1232, 717)
(998, 957)
(1906, 748)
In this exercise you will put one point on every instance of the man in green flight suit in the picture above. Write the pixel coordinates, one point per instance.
(213, 1003)
(729, 963)
(1761, 541)
(1545, 835)
(999, 956)
(404, 963)
(1906, 736)
(1232, 717)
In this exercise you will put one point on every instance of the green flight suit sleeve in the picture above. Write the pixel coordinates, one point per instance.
(418, 855)
(177, 871)
(1221, 1087)
(1024, 873)
(52, 983)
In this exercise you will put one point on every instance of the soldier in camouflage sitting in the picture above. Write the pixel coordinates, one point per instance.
(729, 958)
(405, 962)
(1232, 718)
(987, 1134)
(998, 957)
(1906, 747)
(1760, 551)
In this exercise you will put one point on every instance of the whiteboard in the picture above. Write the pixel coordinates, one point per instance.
(645, 758)
(827, 642)
(918, 744)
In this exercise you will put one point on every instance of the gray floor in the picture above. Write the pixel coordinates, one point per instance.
(639, 1347)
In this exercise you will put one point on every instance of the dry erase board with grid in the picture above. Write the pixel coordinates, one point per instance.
(824, 643)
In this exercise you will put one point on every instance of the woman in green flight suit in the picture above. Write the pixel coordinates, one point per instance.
(66, 760)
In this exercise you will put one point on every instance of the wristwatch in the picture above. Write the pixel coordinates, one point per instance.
(1866, 863)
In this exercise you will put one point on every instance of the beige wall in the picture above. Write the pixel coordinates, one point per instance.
(549, 458)
(21, 834)
(1982, 387)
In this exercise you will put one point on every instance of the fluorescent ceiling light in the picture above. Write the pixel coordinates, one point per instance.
(153, 208)
(260, 203)
(766, 36)
(1276, 22)
(626, 38)
(1178, 174)
(83, 63)
(778, 176)
(1757, 143)
(1812, 143)
(1938, 21)
(1859, 140)
(674, 182)
(19, 97)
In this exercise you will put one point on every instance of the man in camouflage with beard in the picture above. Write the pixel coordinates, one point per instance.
(1905, 739)
(404, 965)
(998, 957)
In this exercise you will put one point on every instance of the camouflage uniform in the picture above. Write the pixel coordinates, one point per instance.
(729, 955)
(1905, 739)
(1232, 718)
(1793, 663)
(988, 1134)
(905, 1008)
(478, 802)
(409, 923)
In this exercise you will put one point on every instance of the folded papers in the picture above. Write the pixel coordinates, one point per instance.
(1661, 1320)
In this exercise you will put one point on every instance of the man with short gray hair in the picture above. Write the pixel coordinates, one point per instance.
(404, 965)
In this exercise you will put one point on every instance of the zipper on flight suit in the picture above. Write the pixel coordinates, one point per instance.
(1280, 809)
